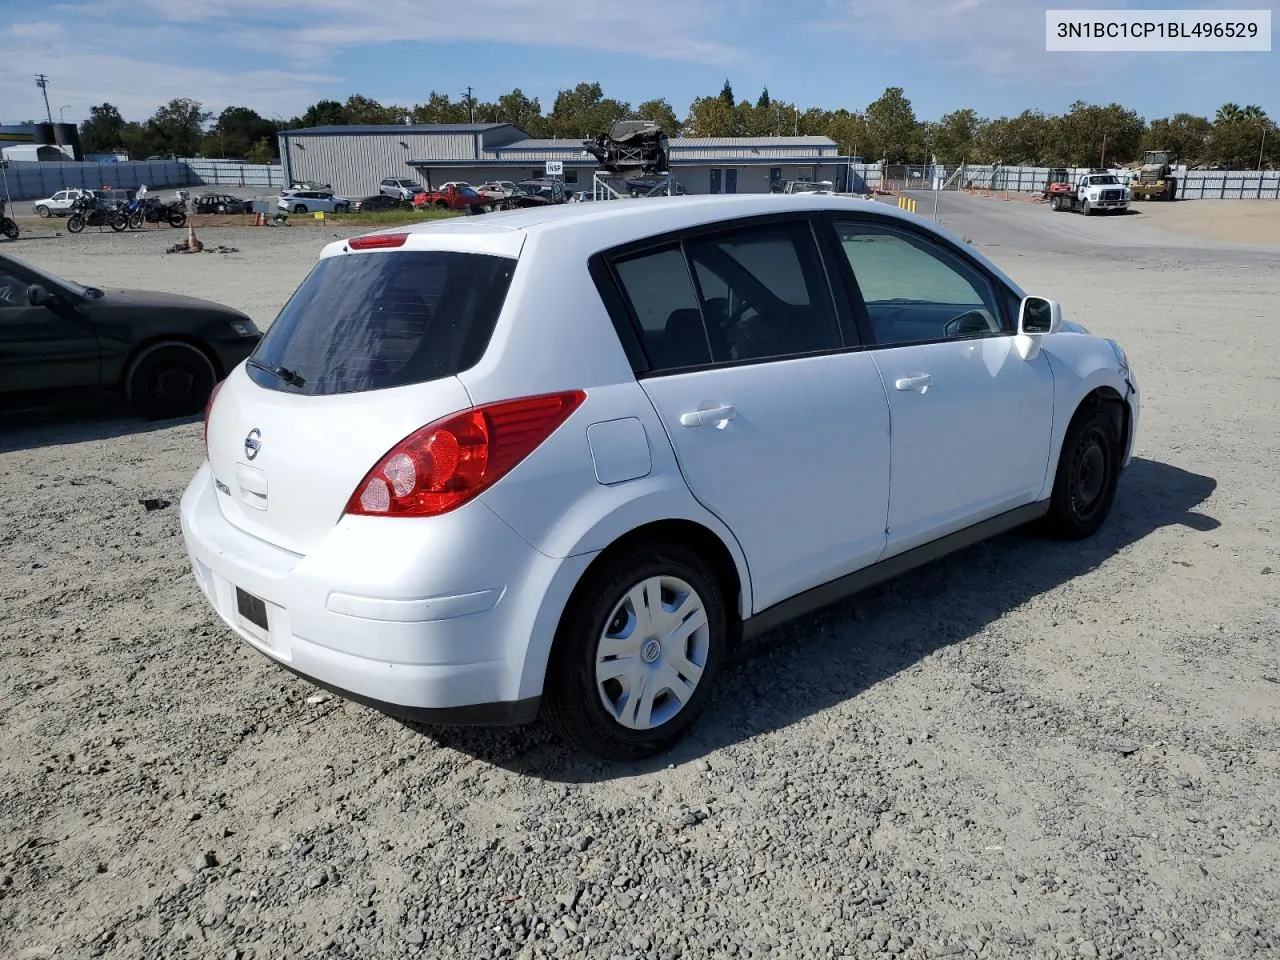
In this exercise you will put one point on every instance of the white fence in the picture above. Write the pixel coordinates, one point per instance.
(1192, 184)
(227, 173)
(34, 180)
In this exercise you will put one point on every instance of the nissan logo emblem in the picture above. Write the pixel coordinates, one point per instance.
(253, 443)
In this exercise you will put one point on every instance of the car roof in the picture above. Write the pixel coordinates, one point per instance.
(614, 223)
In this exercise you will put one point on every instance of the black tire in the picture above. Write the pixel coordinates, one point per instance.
(120, 223)
(1086, 209)
(177, 219)
(575, 704)
(299, 209)
(1084, 487)
(43, 212)
(135, 220)
(9, 228)
(75, 223)
(169, 379)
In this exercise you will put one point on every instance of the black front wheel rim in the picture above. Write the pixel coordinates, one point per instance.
(1090, 474)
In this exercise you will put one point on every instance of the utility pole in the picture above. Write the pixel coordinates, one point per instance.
(471, 106)
(43, 83)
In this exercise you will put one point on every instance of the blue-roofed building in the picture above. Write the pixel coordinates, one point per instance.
(354, 159)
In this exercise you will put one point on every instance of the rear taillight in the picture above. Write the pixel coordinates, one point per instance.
(446, 463)
(208, 409)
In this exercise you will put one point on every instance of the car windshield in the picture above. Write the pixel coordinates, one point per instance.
(809, 186)
(466, 190)
(1104, 180)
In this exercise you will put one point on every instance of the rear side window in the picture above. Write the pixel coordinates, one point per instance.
(370, 321)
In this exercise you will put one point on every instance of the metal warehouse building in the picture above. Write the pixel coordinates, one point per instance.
(354, 159)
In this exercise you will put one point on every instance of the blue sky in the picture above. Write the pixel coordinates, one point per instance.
(278, 56)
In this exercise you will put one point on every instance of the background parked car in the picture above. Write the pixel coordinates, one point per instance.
(655, 186)
(222, 203)
(59, 205)
(312, 201)
(382, 202)
(400, 188)
(497, 189)
(163, 351)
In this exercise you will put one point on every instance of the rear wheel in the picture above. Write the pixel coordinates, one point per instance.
(637, 652)
(177, 218)
(170, 379)
(43, 212)
(1084, 487)
(9, 228)
(75, 223)
(119, 223)
(300, 209)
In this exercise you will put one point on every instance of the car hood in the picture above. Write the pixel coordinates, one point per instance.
(156, 300)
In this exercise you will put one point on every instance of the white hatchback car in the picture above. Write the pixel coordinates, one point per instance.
(565, 457)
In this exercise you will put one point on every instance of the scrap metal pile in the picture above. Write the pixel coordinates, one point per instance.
(629, 146)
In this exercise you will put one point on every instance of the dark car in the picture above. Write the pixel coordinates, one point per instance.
(222, 203)
(383, 203)
(163, 351)
(653, 186)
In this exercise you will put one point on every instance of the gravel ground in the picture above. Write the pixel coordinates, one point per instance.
(1026, 750)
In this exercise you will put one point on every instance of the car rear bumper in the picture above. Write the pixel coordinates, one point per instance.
(430, 620)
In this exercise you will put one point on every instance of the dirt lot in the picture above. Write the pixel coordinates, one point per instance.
(1027, 750)
(1230, 221)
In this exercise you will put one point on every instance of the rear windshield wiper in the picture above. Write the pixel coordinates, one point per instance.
(277, 371)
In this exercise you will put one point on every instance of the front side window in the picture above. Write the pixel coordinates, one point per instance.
(13, 291)
(915, 290)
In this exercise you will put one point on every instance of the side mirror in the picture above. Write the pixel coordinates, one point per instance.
(1038, 316)
(37, 295)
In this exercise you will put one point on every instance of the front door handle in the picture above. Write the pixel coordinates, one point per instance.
(918, 380)
(718, 415)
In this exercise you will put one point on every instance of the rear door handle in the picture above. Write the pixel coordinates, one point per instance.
(718, 415)
(914, 381)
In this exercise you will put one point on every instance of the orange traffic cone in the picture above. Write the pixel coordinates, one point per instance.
(193, 243)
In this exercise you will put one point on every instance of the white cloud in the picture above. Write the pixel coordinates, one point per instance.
(136, 86)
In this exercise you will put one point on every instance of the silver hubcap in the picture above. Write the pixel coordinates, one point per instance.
(652, 652)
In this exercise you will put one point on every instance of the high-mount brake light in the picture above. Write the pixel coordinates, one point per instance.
(208, 409)
(441, 466)
(378, 241)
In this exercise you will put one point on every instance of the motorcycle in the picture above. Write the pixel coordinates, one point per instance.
(8, 228)
(91, 212)
(155, 210)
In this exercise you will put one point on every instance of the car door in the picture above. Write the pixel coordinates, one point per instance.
(47, 347)
(971, 419)
(779, 429)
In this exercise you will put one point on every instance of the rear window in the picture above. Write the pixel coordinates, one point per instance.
(369, 321)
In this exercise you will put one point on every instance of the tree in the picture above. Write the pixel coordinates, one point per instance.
(850, 132)
(726, 94)
(178, 127)
(711, 117)
(103, 131)
(892, 125)
(265, 150)
(360, 109)
(956, 135)
(1185, 134)
(1237, 136)
(584, 112)
(661, 112)
(439, 109)
(236, 131)
(517, 109)
(324, 113)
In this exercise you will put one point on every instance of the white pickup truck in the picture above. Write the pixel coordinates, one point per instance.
(1094, 192)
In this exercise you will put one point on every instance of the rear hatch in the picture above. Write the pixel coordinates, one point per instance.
(365, 352)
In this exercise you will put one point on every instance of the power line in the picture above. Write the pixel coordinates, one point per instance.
(43, 83)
